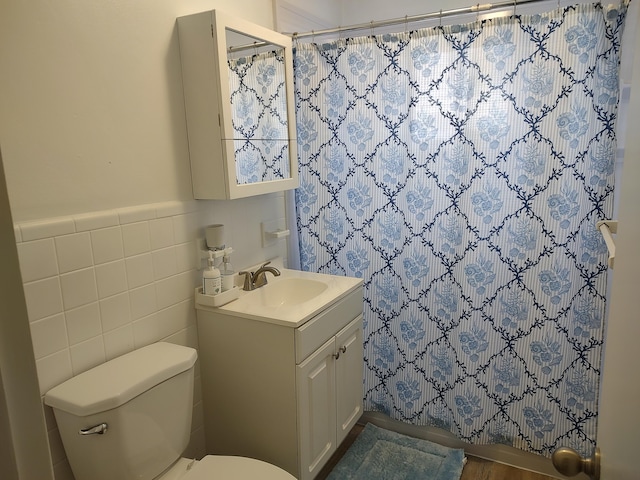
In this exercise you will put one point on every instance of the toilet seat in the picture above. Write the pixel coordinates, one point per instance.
(229, 467)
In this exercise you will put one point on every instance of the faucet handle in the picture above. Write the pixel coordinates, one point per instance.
(248, 281)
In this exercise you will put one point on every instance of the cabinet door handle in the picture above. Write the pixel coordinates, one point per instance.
(342, 349)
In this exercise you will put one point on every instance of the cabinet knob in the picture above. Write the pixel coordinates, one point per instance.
(342, 349)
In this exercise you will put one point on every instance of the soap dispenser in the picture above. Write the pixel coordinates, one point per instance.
(211, 280)
(227, 272)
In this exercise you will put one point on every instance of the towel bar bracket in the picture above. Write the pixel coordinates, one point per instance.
(608, 227)
(611, 224)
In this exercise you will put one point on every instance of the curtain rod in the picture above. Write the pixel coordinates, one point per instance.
(417, 18)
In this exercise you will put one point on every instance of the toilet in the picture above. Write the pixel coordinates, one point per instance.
(130, 418)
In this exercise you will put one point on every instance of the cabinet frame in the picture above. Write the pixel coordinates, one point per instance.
(203, 56)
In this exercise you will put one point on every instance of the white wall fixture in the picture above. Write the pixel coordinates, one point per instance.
(215, 236)
(607, 227)
(273, 230)
(238, 91)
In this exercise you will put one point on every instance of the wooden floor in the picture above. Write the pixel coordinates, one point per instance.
(475, 468)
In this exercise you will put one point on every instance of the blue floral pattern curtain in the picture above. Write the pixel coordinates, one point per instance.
(259, 117)
(460, 172)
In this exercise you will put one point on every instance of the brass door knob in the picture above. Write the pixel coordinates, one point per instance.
(570, 463)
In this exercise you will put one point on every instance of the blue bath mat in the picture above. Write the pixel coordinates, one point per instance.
(379, 454)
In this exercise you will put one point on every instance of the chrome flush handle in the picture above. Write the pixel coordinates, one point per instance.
(100, 429)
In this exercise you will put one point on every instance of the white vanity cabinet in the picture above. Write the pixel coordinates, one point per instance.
(284, 395)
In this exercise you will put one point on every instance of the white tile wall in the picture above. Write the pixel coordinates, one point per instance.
(136, 238)
(48, 335)
(161, 231)
(83, 323)
(43, 298)
(115, 311)
(37, 259)
(74, 252)
(78, 288)
(101, 284)
(106, 245)
(111, 278)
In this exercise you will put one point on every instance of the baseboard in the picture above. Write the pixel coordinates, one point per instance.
(496, 453)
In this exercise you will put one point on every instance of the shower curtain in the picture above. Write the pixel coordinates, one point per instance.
(460, 171)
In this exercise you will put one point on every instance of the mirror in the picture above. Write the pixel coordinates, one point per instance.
(239, 105)
(258, 98)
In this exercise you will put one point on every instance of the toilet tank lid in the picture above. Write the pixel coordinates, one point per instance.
(117, 381)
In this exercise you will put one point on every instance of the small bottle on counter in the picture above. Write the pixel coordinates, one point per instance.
(227, 272)
(211, 279)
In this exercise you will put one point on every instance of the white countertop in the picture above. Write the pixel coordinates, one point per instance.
(288, 315)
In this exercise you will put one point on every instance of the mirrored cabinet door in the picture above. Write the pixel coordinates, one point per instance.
(238, 89)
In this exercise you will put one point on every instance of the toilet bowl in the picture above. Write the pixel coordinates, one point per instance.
(130, 419)
(224, 468)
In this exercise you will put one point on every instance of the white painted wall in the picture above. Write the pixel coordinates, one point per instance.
(304, 15)
(362, 11)
(92, 111)
(619, 417)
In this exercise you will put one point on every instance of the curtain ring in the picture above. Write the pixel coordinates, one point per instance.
(514, 7)
(371, 27)
(440, 17)
(313, 36)
(477, 12)
(406, 23)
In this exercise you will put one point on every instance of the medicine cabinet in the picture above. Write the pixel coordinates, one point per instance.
(238, 91)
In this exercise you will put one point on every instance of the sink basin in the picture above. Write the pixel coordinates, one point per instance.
(286, 292)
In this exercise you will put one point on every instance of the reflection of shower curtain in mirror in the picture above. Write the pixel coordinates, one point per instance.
(259, 117)
(460, 171)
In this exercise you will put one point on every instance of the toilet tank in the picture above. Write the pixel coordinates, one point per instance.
(145, 399)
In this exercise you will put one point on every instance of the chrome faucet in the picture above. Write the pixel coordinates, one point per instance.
(257, 279)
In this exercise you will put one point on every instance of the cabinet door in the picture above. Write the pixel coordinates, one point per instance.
(349, 377)
(316, 409)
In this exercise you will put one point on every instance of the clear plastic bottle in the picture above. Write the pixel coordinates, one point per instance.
(227, 273)
(211, 279)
